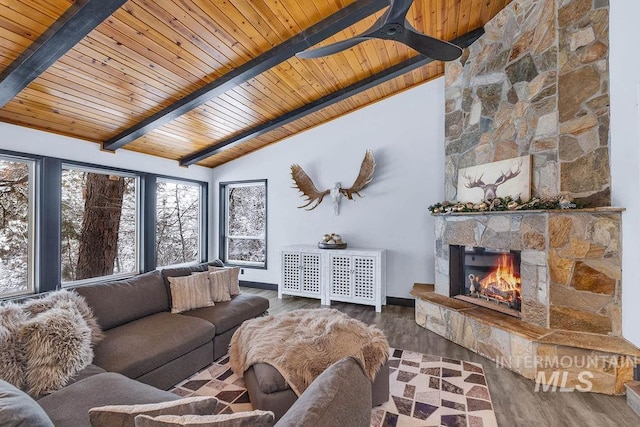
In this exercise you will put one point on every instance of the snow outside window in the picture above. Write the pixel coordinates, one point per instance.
(17, 236)
(244, 239)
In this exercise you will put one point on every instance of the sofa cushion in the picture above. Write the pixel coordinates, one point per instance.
(185, 271)
(189, 292)
(86, 373)
(239, 419)
(125, 415)
(17, 409)
(231, 277)
(219, 286)
(269, 379)
(70, 406)
(116, 303)
(227, 315)
(340, 396)
(145, 344)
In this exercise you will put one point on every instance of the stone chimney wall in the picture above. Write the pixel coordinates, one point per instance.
(536, 83)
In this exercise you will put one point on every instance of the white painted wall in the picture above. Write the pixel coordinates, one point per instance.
(624, 62)
(406, 133)
(30, 141)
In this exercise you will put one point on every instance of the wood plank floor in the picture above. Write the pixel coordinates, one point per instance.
(515, 402)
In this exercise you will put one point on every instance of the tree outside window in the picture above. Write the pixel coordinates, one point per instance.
(178, 230)
(244, 222)
(17, 194)
(99, 224)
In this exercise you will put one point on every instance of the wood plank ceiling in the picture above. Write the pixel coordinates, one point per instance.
(150, 54)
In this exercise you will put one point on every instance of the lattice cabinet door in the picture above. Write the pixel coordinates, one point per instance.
(364, 278)
(311, 274)
(341, 271)
(290, 272)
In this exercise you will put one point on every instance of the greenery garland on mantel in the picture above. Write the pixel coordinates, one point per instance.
(505, 204)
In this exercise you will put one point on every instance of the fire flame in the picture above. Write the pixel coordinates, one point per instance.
(502, 283)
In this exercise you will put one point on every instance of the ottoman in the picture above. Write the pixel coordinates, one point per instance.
(269, 391)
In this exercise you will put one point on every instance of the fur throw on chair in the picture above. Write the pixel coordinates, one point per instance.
(301, 344)
(46, 341)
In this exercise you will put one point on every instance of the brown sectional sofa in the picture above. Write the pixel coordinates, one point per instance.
(340, 396)
(145, 341)
(147, 349)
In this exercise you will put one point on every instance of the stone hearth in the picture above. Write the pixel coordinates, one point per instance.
(551, 357)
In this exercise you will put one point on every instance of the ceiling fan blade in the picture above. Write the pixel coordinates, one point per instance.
(398, 10)
(332, 48)
(348, 43)
(431, 47)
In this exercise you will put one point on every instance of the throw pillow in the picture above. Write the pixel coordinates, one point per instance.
(232, 278)
(57, 344)
(219, 286)
(255, 418)
(17, 409)
(189, 292)
(38, 305)
(124, 415)
(11, 354)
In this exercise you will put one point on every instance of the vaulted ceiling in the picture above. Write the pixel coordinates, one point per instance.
(207, 81)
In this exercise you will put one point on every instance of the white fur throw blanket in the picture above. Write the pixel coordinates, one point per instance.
(301, 344)
(46, 341)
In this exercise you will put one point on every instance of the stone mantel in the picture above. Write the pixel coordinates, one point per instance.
(603, 209)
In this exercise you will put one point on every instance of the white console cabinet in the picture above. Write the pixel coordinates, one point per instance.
(348, 275)
(301, 273)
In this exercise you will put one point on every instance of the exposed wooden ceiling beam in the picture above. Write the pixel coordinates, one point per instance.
(72, 26)
(390, 73)
(313, 35)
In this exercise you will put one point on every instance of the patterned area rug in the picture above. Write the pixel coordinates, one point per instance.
(431, 390)
(425, 390)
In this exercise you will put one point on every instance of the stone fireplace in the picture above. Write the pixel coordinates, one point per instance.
(570, 274)
(537, 84)
(570, 264)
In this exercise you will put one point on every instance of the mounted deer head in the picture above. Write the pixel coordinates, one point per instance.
(491, 189)
(306, 186)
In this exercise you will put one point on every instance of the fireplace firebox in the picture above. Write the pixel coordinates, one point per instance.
(486, 277)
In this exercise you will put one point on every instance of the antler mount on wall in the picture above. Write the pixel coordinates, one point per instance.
(314, 196)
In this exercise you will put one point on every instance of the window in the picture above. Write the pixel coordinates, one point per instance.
(244, 223)
(178, 220)
(99, 223)
(17, 195)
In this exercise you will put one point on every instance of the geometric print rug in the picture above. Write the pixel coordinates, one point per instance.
(425, 390)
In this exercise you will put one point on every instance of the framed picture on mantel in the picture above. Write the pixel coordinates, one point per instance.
(511, 177)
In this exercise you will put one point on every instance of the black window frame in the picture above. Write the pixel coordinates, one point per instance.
(34, 191)
(222, 223)
(47, 263)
